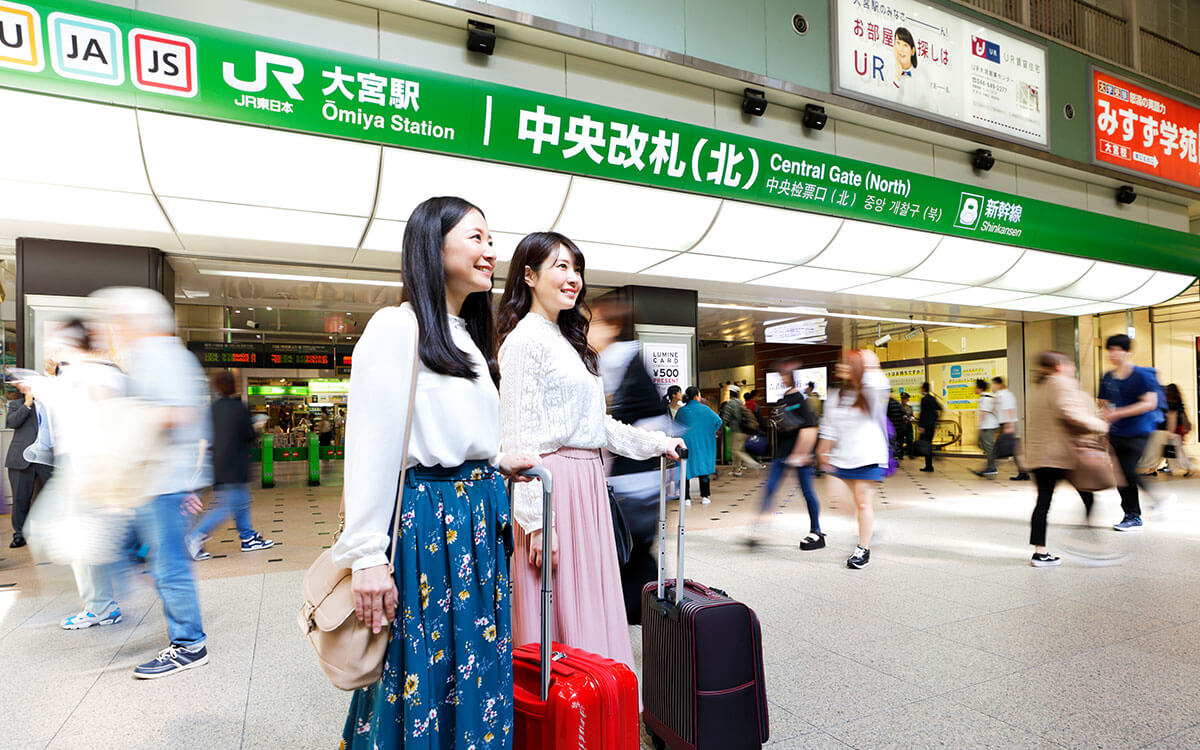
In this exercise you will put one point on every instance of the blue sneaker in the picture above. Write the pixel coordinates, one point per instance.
(172, 659)
(1129, 523)
(256, 542)
(87, 619)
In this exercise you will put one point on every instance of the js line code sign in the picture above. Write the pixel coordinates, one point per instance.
(1141, 130)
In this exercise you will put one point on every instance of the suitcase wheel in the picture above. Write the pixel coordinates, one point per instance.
(658, 742)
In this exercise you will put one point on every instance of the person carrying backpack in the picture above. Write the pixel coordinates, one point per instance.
(1134, 404)
(738, 419)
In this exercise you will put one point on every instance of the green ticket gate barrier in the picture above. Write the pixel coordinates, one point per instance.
(728, 446)
(314, 460)
(268, 460)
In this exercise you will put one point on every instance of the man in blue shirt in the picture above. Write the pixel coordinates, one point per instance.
(1129, 395)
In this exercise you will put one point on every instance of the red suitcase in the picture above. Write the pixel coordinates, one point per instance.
(702, 666)
(565, 697)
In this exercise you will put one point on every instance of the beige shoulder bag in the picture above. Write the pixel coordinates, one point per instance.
(351, 655)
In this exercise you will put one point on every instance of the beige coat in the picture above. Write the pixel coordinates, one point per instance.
(1058, 412)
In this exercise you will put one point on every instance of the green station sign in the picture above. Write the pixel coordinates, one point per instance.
(108, 54)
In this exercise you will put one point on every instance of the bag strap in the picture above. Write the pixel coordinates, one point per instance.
(408, 420)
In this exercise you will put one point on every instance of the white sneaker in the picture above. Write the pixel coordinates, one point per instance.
(687, 503)
(705, 500)
(195, 546)
(86, 619)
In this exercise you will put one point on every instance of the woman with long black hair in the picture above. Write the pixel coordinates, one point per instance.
(447, 676)
(552, 402)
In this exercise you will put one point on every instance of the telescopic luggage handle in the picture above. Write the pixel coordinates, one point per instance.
(661, 605)
(547, 635)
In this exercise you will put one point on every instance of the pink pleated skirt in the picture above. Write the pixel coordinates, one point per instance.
(589, 608)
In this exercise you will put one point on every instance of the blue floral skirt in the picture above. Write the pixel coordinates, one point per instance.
(447, 679)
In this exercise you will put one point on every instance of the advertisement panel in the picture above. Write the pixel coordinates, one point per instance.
(667, 365)
(1139, 130)
(918, 57)
(958, 383)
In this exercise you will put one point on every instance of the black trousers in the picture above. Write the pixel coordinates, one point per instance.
(1129, 451)
(704, 488)
(26, 483)
(1046, 480)
(904, 435)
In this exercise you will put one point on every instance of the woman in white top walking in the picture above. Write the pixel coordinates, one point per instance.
(854, 445)
(552, 402)
(447, 676)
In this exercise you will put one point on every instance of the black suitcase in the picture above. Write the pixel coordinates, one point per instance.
(702, 666)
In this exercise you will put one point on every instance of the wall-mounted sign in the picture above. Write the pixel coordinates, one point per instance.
(921, 58)
(277, 390)
(275, 84)
(667, 365)
(1139, 130)
(811, 331)
(958, 383)
(818, 376)
(217, 354)
(328, 387)
(298, 355)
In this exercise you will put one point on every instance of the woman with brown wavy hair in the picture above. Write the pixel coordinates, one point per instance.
(552, 405)
(854, 445)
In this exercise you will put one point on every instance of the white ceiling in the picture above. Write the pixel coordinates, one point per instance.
(211, 190)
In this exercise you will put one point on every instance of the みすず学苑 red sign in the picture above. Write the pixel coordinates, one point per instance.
(1142, 130)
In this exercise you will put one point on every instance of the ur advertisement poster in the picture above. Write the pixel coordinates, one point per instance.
(958, 383)
(1141, 130)
(919, 57)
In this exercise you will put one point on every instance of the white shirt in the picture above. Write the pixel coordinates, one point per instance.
(549, 400)
(379, 383)
(988, 407)
(858, 436)
(1006, 406)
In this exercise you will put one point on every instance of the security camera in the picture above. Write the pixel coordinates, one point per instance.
(883, 340)
(252, 324)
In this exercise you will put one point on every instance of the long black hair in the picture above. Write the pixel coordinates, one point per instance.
(531, 253)
(425, 288)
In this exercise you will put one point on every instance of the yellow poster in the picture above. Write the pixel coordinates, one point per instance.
(958, 389)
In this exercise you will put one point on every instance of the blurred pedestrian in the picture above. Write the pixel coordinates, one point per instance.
(927, 421)
(632, 399)
(898, 420)
(26, 477)
(854, 445)
(989, 425)
(1009, 418)
(162, 372)
(796, 430)
(232, 436)
(699, 425)
(674, 399)
(1060, 414)
(1178, 425)
(738, 419)
(813, 398)
(1130, 397)
(906, 431)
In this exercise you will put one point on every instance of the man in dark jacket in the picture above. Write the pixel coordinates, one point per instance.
(931, 408)
(232, 434)
(26, 477)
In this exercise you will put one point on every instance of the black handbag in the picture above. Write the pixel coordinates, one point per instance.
(621, 533)
(1006, 445)
(922, 448)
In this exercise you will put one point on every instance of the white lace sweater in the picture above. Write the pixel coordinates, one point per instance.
(549, 400)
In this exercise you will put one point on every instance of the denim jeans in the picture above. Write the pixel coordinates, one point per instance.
(162, 525)
(228, 499)
(805, 475)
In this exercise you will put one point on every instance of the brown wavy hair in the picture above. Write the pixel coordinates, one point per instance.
(853, 359)
(532, 253)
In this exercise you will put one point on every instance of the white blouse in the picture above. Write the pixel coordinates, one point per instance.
(549, 400)
(858, 436)
(379, 384)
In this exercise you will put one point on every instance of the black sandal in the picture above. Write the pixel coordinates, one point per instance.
(814, 540)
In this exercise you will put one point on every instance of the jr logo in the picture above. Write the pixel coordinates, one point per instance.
(288, 71)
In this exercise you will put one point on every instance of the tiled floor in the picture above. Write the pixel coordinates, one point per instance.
(948, 640)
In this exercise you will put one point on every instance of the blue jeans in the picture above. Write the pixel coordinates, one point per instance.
(162, 525)
(228, 499)
(805, 475)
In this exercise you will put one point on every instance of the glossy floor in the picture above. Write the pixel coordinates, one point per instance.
(948, 639)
